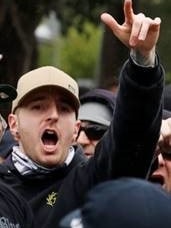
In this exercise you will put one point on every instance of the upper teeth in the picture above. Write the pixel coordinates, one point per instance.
(50, 132)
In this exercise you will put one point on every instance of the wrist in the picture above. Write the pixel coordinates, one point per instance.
(145, 59)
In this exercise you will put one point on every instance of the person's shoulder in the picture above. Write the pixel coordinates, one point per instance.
(6, 144)
(14, 209)
(79, 154)
(9, 193)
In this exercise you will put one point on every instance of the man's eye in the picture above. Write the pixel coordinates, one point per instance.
(36, 107)
(65, 108)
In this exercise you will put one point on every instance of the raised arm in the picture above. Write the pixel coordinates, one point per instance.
(138, 32)
(128, 147)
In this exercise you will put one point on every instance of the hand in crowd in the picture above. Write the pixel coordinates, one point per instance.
(138, 31)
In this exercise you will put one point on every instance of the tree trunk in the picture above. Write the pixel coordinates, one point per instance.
(18, 47)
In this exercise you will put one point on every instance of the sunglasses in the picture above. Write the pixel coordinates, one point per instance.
(93, 131)
(166, 154)
(164, 151)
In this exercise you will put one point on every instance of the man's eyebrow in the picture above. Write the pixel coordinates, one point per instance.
(37, 98)
(64, 100)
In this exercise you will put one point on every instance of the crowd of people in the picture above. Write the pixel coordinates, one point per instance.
(89, 161)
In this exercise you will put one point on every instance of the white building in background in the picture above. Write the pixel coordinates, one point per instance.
(48, 29)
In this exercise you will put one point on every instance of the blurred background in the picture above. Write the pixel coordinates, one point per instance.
(68, 34)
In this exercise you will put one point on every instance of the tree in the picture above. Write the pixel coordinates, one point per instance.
(19, 19)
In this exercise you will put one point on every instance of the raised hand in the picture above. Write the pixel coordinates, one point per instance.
(138, 31)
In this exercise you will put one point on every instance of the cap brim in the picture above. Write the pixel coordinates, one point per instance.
(73, 218)
(74, 102)
(7, 93)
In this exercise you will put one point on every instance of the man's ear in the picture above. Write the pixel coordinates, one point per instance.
(76, 129)
(13, 125)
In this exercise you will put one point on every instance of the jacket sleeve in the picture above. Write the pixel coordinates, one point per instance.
(128, 146)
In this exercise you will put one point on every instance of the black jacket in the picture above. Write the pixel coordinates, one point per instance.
(125, 150)
(14, 210)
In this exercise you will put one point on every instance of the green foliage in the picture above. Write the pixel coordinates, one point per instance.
(76, 53)
(79, 51)
(168, 78)
(46, 51)
(162, 9)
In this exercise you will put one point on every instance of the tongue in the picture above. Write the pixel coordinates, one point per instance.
(48, 142)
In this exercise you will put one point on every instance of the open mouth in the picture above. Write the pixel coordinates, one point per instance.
(49, 137)
(157, 179)
(88, 154)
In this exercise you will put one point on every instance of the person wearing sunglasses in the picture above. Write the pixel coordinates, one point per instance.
(95, 113)
(161, 168)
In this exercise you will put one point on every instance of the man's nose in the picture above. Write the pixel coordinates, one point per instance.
(161, 160)
(82, 138)
(53, 113)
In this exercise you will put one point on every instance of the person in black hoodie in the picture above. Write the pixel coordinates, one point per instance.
(14, 210)
(48, 168)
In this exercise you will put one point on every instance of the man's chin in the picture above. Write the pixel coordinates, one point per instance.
(49, 164)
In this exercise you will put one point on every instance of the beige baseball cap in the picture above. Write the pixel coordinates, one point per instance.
(46, 76)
